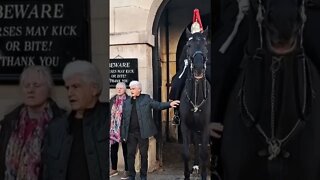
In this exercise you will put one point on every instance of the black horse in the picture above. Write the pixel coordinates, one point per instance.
(195, 103)
(271, 126)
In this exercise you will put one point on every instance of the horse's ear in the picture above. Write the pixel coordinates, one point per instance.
(188, 33)
(205, 32)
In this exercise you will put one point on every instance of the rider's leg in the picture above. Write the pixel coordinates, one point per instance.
(208, 74)
(176, 90)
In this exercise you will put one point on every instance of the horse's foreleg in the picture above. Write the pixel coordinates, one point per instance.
(186, 157)
(186, 153)
(196, 142)
(204, 156)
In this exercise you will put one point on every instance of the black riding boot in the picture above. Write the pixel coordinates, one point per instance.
(176, 117)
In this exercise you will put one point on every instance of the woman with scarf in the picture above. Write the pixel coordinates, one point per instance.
(23, 130)
(116, 104)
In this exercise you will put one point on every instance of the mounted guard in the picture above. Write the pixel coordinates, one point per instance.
(178, 80)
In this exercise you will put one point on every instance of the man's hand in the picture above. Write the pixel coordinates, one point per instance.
(175, 103)
(215, 129)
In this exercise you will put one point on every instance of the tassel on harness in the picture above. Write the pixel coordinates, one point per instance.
(244, 6)
(184, 68)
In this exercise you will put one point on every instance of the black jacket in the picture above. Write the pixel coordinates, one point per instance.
(58, 143)
(9, 123)
(144, 106)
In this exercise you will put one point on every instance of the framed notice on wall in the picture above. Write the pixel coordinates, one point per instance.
(123, 70)
(42, 32)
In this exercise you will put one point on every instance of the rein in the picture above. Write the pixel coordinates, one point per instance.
(196, 107)
(274, 143)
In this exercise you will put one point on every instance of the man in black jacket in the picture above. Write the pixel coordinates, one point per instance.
(77, 147)
(138, 125)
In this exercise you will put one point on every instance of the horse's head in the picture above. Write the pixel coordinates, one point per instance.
(281, 23)
(197, 52)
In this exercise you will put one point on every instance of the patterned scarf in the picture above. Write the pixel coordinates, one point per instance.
(116, 115)
(23, 154)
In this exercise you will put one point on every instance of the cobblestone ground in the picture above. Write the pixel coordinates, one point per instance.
(172, 168)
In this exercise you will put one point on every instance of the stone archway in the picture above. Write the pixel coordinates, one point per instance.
(178, 15)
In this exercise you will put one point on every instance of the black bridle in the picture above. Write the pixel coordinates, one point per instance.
(261, 16)
(190, 58)
(274, 143)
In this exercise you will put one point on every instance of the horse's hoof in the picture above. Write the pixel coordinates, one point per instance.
(195, 169)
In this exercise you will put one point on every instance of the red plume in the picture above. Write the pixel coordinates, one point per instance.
(196, 18)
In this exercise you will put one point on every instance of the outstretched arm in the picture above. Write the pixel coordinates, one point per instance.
(164, 105)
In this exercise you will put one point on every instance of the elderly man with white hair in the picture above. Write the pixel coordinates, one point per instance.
(138, 126)
(77, 146)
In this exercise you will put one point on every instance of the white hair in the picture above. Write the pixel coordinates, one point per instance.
(88, 72)
(43, 72)
(121, 84)
(135, 84)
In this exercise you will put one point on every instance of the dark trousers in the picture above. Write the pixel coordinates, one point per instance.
(114, 155)
(135, 139)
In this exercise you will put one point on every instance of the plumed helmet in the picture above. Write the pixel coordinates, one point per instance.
(196, 22)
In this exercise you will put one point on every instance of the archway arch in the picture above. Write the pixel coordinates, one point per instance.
(168, 27)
